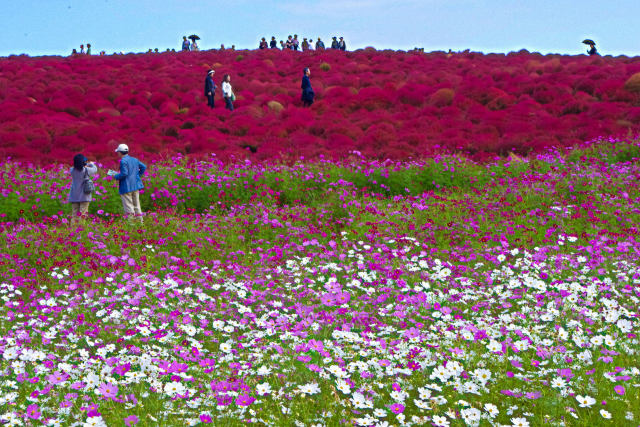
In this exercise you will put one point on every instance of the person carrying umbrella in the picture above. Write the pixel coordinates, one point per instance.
(592, 47)
(194, 45)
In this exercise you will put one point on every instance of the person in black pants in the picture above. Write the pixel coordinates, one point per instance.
(307, 92)
(273, 44)
(209, 88)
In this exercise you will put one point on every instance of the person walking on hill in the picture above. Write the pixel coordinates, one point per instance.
(319, 44)
(263, 44)
(295, 43)
(334, 43)
(210, 88)
(194, 46)
(131, 169)
(227, 92)
(186, 45)
(342, 45)
(307, 92)
(88, 49)
(80, 195)
(305, 45)
(273, 44)
(289, 43)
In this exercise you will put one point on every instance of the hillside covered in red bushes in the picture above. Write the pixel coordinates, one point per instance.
(383, 104)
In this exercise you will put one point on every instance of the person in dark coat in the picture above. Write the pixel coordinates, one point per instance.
(342, 45)
(210, 88)
(263, 44)
(186, 44)
(307, 91)
(592, 50)
(319, 44)
(334, 43)
(273, 44)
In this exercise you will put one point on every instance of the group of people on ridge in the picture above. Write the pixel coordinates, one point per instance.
(292, 43)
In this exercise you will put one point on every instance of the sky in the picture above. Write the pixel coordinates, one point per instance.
(55, 27)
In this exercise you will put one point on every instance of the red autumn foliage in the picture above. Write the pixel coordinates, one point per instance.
(381, 103)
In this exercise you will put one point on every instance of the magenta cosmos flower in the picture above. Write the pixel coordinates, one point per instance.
(244, 400)
(397, 408)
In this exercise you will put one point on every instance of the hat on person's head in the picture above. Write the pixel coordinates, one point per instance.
(210, 72)
(122, 148)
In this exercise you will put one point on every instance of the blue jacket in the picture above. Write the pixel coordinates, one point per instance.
(307, 91)
(131, 169)
(209, 86)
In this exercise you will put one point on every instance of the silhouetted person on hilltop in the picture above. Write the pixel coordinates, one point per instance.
(334, 43)
(307, 92)
(186, 45)
(295, 43)
(81, 49)
(210, 88)
(319, 44)
(342, 45)
(88, 49)
(592, 50)
(273, 44)
(305, 45)
(263, 44)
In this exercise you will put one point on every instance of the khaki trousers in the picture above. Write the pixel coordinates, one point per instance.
(131, 204)
(79, 211)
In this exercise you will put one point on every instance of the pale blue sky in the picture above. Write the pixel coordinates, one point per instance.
(55, 27)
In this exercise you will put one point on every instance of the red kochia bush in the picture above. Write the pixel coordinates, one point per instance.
(382, 103)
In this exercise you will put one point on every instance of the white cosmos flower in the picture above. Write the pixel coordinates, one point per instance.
(605, 414)
(494, 346)
(311, 388)
(491, 409)
(585, 401)
(343, 386)
(174, 388)
(624, 325)
(482, 375)
(558, 382)
(262, 389)
(263, 370)
(440, 421)
(520, 422)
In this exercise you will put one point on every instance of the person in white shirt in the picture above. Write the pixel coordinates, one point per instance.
(227, 92)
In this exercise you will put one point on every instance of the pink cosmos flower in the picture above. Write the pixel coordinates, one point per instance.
(33, 412)
(57, 377)
(108, 390)
(206, 419)
(619, 389)
(131, 420)
(397, 408)
(244, 400)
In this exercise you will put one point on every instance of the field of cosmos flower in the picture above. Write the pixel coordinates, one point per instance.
(447, 286)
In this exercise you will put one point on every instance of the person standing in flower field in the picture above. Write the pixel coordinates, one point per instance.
(210, 88)
(308, 94)
(227, 92)
(131, 169)
(79, 197)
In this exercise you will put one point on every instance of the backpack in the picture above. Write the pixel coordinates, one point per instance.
(88, 186)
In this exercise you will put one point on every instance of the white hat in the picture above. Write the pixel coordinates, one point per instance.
(122, 148)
